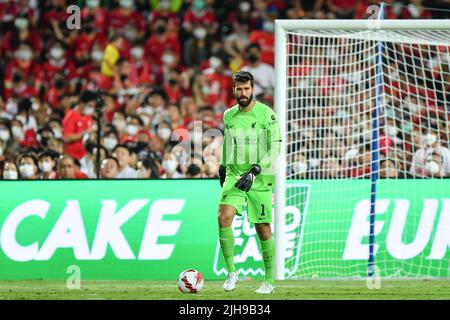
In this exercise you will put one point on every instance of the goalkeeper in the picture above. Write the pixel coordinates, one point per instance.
(251, 144)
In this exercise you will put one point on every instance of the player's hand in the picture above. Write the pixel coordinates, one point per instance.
(222, 174)
(246, 181)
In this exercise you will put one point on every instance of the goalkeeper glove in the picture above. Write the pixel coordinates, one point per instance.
(222, 174)
(246, 180)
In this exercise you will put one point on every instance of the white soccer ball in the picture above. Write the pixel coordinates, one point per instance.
(190, 281)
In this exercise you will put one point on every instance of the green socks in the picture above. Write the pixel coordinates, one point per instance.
(226, 239)
(268, 250)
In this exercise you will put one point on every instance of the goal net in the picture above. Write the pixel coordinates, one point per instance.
(364, 107)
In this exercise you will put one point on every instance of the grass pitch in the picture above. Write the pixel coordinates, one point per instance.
(212, 290)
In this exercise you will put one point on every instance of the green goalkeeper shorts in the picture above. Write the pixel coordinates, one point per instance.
(259, 202)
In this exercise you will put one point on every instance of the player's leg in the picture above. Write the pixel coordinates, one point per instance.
(268, 250)
(260, 213)
(226, 237)
(231, 203)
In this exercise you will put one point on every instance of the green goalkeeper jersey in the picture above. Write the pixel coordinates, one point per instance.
(251, 137)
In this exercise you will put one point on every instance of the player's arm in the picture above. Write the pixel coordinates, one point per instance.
(273, 141)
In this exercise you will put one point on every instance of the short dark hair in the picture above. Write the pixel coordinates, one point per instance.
(242, 77)
(124, 146)
(113, 159)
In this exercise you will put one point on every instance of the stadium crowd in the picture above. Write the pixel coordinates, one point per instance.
(164, 69)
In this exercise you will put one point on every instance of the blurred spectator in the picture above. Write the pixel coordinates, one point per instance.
(123, 155)
(28, 166)
(47, 165)
(146, 168)
(199, 14)
(77, 123)
(432, 159)
(388, 169)
(161, 41)
(128, 20)
(111, 56)
(68, 169)
(109, 168)
(10, 171)
(263, 73)
(170, 165)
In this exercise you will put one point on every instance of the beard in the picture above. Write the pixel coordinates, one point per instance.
(244, 101)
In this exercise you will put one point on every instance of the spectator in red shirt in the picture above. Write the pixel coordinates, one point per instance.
(220, 84)
(161, 41)
(76, 123)
(67, 169)
(19, 88)
(199, 14)
(58, 63)
(126, 15)
(21, 34)
(98, 14)
(24, 64)
(140, 69)
(85, 42)
(167, 10)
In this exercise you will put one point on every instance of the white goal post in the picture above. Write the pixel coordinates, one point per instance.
(327, 72)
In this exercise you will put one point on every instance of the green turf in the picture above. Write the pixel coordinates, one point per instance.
(155, 290)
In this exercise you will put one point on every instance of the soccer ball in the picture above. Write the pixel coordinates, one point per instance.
(190, 281)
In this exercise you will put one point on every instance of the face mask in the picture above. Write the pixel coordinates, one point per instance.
(164, 5)
(57, 133)
(45, 166)
(132, 129)
(168, 59)
(268, 26)
(200, 33)
(300, 167)
(429, 139)
(130, 34)
(351, 154)
(126, 3)
(147, 110)
(97, 55)
(110, 143)
(10, 175)
(244, 6)
(56, 53)
(215, 62)
(23, 54)
(93, 3)
(119, 124)
(160, 30)
(314, 163)
(339, 130)
(26, 170)
(432, 168)
(252, 57)
(11, 105)
(414, 108)
(21, 23)
(88, 111)
(199, 4)
(169, 166)
(137, 52)
(4, 135)
(391, 131)
(17, 133)
(164, 133)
